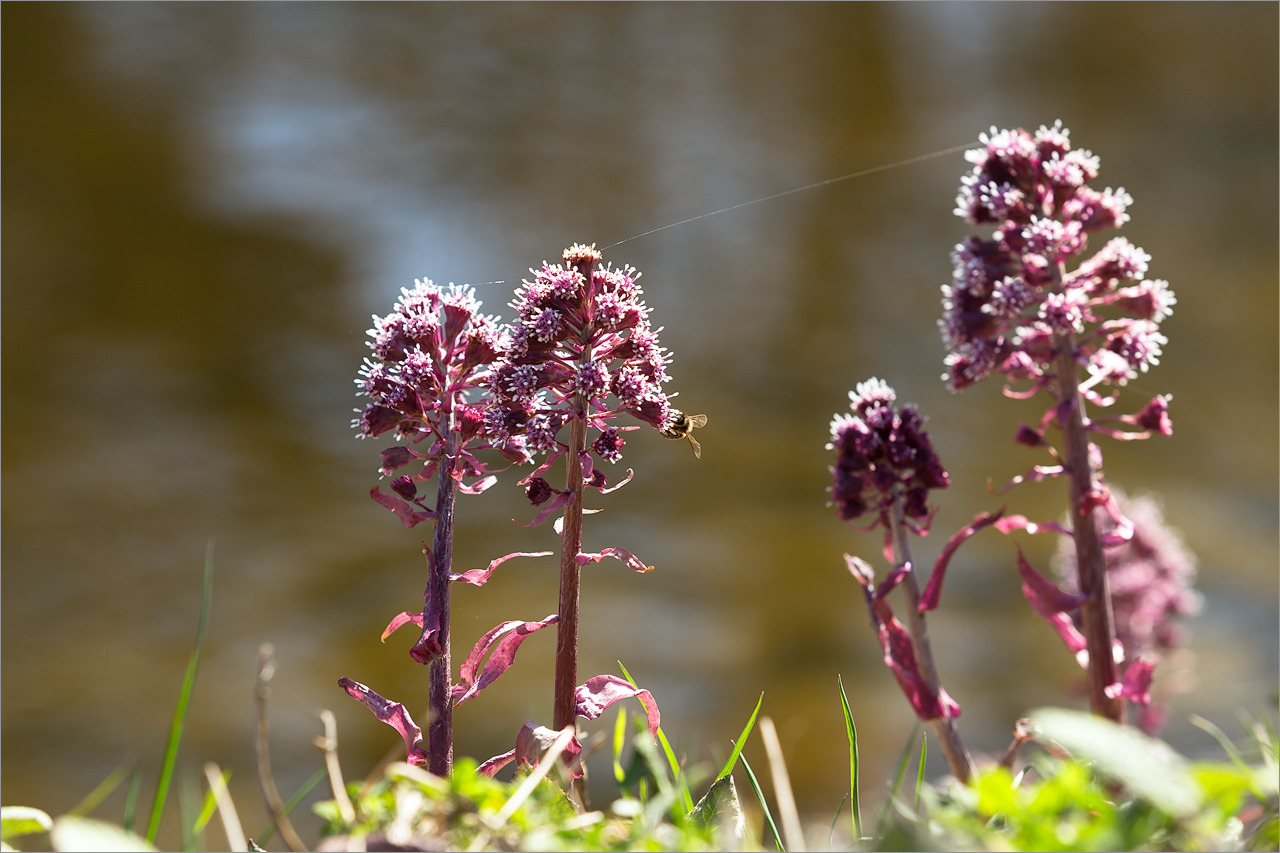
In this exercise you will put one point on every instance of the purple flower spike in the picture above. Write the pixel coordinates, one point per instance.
(580, 330)
(391, 713)
(882, 452)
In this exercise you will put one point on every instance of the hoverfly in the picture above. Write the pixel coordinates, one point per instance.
(682, 426)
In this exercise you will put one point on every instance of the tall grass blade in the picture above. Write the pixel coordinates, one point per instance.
(676, 771)
(768, 815)
(1221, 737)
(619, 740)
(184, 702)
(292, 804)
(924, 750)
(131, 799)
(210, 805)
(742, 739)
(851, 731)
(831, 839)
(105, 789)
(898, 776)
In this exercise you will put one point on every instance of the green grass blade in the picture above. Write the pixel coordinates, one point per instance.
(188, 814)
(855, 802)
(131, 799)
(210, 806)
(184, 702)
(831, 839)
(742, 739)
(768, 815)
(924, 750)
(676, 772)
(897, 778)
(292, 804)
(619, 739)
(105, 789)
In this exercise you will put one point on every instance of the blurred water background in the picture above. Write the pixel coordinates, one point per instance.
(204, 203)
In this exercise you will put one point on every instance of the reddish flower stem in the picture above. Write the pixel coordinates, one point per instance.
(566, 682)
(1091, 566)
(440, 713)
(944, 728)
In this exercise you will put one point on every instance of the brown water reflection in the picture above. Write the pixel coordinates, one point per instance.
(201, 203)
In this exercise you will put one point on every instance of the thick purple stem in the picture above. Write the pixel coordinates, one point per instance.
(440, 716)
(1091, 565)
(570, 576)
(944, 728)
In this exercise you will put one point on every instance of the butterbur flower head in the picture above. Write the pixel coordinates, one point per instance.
(1012, 300)
(581, 346)
(432, 348)
(882, 452)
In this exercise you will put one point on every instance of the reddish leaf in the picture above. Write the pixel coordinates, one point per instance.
(1051, 602)
(505, 641)
(1035, 475)
(397, 457)
(631, 561)
(391, 713)
(625, 480)
(1137, 681)
(493, 765)
(479, 577)
(894, 578)
(1010, 523)
(403, 619)
(534, 740)
(403, 510)
(542, 469)
(594, 697)
(900, 657)
(584, 462)
(551, 506)
(933, 590)
(477, 487)
(861, 571)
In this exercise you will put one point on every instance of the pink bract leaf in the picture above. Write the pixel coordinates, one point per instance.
(391, 713)
(584, 461)
(550, 507)
(619, 485)
(505, 641)
(900, 657)
(493, 765)
(593, 698)
(404, 511)
(479, 577)
(1136, 684)
(631, 561)
(543, 468)
(534, 740)
(1010, 523)
(933, 590)
(1037, 474)
(891, 580)
(861, 571)
(400, 620)
(477, 487)
(1051, 602)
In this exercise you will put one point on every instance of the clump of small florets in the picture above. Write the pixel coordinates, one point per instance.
(580, 346)
(429, 353)
(1011, 299)
(882, 452)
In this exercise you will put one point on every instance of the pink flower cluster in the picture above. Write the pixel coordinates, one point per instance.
(580, 346)
(881, 453)
(1012, 301)
(429, 354)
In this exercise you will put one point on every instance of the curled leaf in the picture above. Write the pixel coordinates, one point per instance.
(631, 561)
(627, 479)
(404, 511)
(479, 577)
(593, 698)
(1051, 602)
(933, 590)
(861, 571)
(1010, 523)
(534, 740)
(550, 507)
(391, 713)
(505, 641)
(1136, 684)
(900, 657)
(477, 487)
(493, 765)
(401, 620)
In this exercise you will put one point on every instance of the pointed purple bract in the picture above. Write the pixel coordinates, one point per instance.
(594, 697)
(391, 713)
(399, 621)
(479, 577)
(505, 641)
(933, 590)
(631, 561)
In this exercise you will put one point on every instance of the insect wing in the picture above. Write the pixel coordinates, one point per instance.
(697, 421)
(697, 448)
